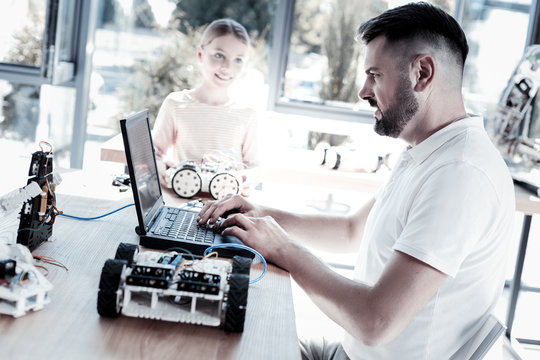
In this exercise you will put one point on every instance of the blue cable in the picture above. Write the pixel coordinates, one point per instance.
(243, 247)
(96, 217)
(180, 250)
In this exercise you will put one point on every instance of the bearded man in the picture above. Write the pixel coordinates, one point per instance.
(432, 243)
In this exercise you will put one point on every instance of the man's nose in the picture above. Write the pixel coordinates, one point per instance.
(365, 92)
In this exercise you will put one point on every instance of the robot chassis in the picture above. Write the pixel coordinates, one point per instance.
(175, 287)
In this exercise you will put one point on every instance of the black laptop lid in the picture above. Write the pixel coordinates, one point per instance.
(142, 167)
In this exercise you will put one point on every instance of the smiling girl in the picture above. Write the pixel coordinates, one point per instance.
(206, 121)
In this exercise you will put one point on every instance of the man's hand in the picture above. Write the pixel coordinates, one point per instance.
(245, 221)
(213, 210)
(262, 234)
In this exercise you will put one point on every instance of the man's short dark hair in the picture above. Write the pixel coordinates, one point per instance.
(417, 20)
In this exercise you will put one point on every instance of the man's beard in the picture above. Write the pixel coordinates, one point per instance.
(394, 120)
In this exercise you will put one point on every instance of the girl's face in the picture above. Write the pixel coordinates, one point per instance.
(222, 60)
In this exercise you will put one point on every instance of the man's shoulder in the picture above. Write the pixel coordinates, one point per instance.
(471, 159)
(468, 142)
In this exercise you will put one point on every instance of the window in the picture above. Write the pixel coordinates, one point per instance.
(37, 51)
(316, 68)
(32, 50)
(323, 59)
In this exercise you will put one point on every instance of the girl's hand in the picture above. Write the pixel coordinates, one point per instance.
(162, 171)
(245, 188)
(250, 179)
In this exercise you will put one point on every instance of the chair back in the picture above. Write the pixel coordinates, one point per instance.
(480, 343)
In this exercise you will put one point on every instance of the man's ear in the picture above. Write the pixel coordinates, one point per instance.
(424, 71)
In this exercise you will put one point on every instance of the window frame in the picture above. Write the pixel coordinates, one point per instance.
(52, 70)
(533, 32)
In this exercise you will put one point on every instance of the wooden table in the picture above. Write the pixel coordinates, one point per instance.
(70, 327)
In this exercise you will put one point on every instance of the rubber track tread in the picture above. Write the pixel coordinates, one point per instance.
(126, 251)
(241, 265)
(110, 275)
(236, 303)
(106, 304)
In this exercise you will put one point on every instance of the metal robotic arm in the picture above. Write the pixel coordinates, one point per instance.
(510, 127)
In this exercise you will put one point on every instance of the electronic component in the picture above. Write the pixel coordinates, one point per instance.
(199, 282)
(36, 216)
(123, 182)
(22, 288)
(7, 268)
(151, 276)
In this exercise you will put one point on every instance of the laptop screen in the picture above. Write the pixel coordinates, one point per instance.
(141, 162)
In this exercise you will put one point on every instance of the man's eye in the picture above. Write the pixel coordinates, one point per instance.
(239, 61)
(218, 56)
(374, 77)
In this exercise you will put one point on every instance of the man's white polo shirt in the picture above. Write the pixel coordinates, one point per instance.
(449, 203)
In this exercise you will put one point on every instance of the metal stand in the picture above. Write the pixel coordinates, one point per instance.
(515, 286)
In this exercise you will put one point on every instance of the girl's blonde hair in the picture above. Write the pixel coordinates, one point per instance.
(222, 27)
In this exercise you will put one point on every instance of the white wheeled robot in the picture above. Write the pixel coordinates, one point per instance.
(175, 287)
(189, 179)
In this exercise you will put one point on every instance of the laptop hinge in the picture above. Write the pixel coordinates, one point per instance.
(154, 219)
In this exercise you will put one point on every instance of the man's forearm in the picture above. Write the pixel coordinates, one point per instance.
(330, 233)
(344, 301)
(323, 232)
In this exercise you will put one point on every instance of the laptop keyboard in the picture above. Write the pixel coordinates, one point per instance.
(182, 225)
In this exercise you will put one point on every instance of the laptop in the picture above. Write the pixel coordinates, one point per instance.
(163, 227)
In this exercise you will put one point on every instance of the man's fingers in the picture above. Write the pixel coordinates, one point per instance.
(206, 206)
(237, 232)
(206, 212)
(213, 210)
(239, 220)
